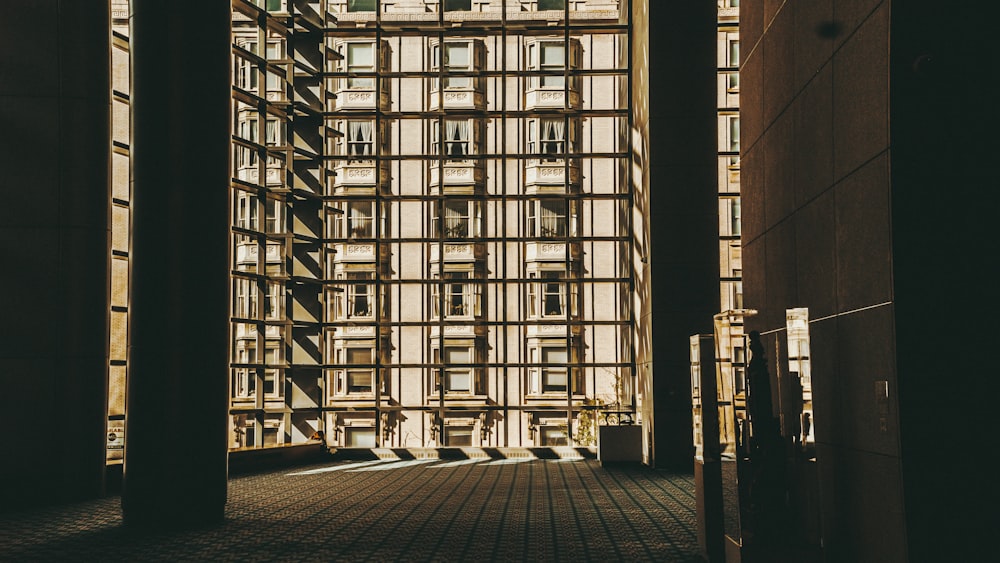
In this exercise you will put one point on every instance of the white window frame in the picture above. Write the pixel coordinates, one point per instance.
(462, 295)
(359, 139)
(553, 217)
(274, 215)
(460, 140)
(244, 387)
(368, 432)
(467, 369)
(538, 53)
(351, 49)
(460, 218)
(545, 434)
(552, 137)
(245, 298)
(733, 132)
(451, 432)
(544, 367)
(274, 305)
(357, 220)
(450, 65)
(364, 371)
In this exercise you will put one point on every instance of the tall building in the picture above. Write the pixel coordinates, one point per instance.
(431, 222)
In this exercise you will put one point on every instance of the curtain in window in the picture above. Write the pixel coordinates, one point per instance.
(360, 216)
(553, 135)
(359, 138)
(552, 217)
(457, 138)
(455, 220)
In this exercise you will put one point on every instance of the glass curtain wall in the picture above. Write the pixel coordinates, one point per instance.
(431, 222)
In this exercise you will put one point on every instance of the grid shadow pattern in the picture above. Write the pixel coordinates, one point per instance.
(406, 510)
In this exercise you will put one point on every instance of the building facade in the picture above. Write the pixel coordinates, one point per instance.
(431, 221)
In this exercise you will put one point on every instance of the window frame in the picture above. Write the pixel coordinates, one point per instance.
(351, 66)
(458, 148)
(462, 295)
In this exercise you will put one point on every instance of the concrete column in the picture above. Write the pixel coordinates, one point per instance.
(677, 195)
(177, 394)
(55, 240)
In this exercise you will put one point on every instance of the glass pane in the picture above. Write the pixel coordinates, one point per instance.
(553, 436)
(360, 437)
(553, 54)
(360, 55)
(457, 356)
(551, 4)
(458, 436)
(554, 380)
(457, 5)
(458, 56)
(458, 381)
(554, 355)
(361, 5)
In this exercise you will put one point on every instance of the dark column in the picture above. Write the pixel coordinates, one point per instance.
(177, 393)
(55, 240)
(682, 212)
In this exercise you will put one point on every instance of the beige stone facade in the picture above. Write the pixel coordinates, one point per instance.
(430, 224)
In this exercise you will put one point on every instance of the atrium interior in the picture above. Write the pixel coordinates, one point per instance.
(517, 279)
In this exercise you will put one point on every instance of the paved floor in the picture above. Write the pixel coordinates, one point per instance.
(383, 510)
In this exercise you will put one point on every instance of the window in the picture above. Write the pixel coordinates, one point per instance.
(359, 437)
(734, 133)
(246, 73)
(360, 219)
(551, 217)
(360, 59)
(551, 4)
(275, 5)
(360, 139)
(550, 58)
(733, 55)
(735, 214)
(273, 82)
(457, 436)
(459, 376)
(458, 57)
(274, 132)
(461, 295)
(548, 137)
(274, 50)
(553, 436)
(360, 295)
(244, 383)
(361, 5)
(245, 298)
(247, 129)
(274, 383)
(457, 138)
(547, 297)
(246, 211)
(460, 219)
(554, 377)
(551, 373)
(274, 305)
(359, 378)
(457, 379)
(274, 216)
(457, 5)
